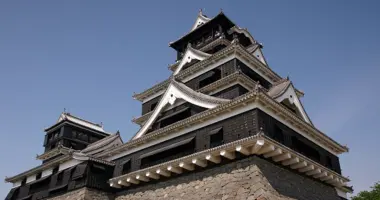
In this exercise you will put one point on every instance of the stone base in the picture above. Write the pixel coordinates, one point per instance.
(251, 178)
(84, 194)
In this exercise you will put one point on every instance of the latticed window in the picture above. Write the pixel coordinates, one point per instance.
(216, 137)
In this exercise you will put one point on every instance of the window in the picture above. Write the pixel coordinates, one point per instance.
(216, 137)
(210, 77)
(55, 170)
(126, 167)
(169, 152)
(278, 134)
(74, 134)
(23, 182)
(175, 117)
(305, 149)
(153, 106)
(38, 176)
(328, 162)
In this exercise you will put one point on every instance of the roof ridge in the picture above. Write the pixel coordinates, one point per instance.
(93, 123)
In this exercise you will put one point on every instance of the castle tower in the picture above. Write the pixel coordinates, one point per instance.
(224, 125)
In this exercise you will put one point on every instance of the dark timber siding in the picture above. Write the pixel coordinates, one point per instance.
(231, 92)
(147, 106)
(87, 174)
(226, 69)
(272, 127)
(234, 128)
(253, 75)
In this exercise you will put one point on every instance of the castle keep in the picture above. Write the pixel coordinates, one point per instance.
(224, 125)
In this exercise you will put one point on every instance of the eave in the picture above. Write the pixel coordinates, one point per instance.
(237, 77)
(54, 152)
(60, 124)
(233, 49)
(259, 145)
(258, 96)
(54, 162)
(38, 169)
(177, 44)
(219, 41)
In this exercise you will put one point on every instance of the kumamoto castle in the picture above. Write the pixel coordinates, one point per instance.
(224, 125)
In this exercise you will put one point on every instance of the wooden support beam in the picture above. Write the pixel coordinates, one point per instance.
(114, 185)
(298, 165)
(132, 180)
(258, 145)
(186, 166)
(273, 153)
(315, 171)
(123, 183)
(321, 175)
(285, 156)
(306, 169)
(200, 163)
(226, 154)
(266, 149)
(291, 161)
(327, 178)
(152, 175)
(242, 150)
(162, 172)
(174, 169)
(214, 159)
(142, 178)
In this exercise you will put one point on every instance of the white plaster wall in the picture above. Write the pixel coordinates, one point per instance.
(31, 178)
(69, 164)
(17, 184)
(47, 172)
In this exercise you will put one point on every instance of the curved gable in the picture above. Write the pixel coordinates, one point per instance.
(176, 91)
(190, 55)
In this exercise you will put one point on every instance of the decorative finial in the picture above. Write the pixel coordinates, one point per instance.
(261, 132)
(287, 77)
(118, 132)
(64, 110)
(101, 124)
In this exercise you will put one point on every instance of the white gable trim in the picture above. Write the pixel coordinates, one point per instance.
(341, 193)
(191, 54)
(201, 19)
(291, 95)
(171, 95)
(259, 55)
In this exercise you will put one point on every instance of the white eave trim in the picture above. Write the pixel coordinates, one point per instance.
(171, 95)
(201, 19)
(189, 56)
(254, 145)
(291, 95)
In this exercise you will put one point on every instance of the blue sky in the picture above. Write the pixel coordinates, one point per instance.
(90, 56)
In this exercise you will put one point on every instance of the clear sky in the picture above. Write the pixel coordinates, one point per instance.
(90, 56)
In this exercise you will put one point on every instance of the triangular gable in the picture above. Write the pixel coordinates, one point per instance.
(243, 31)
(77, 120)
(287, 94)
(191, 54)
(259, 55)
(201, 19)
(176, 91)
(104, 144)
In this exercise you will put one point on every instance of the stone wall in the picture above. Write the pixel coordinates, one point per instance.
(251, 178)
(84, 194)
